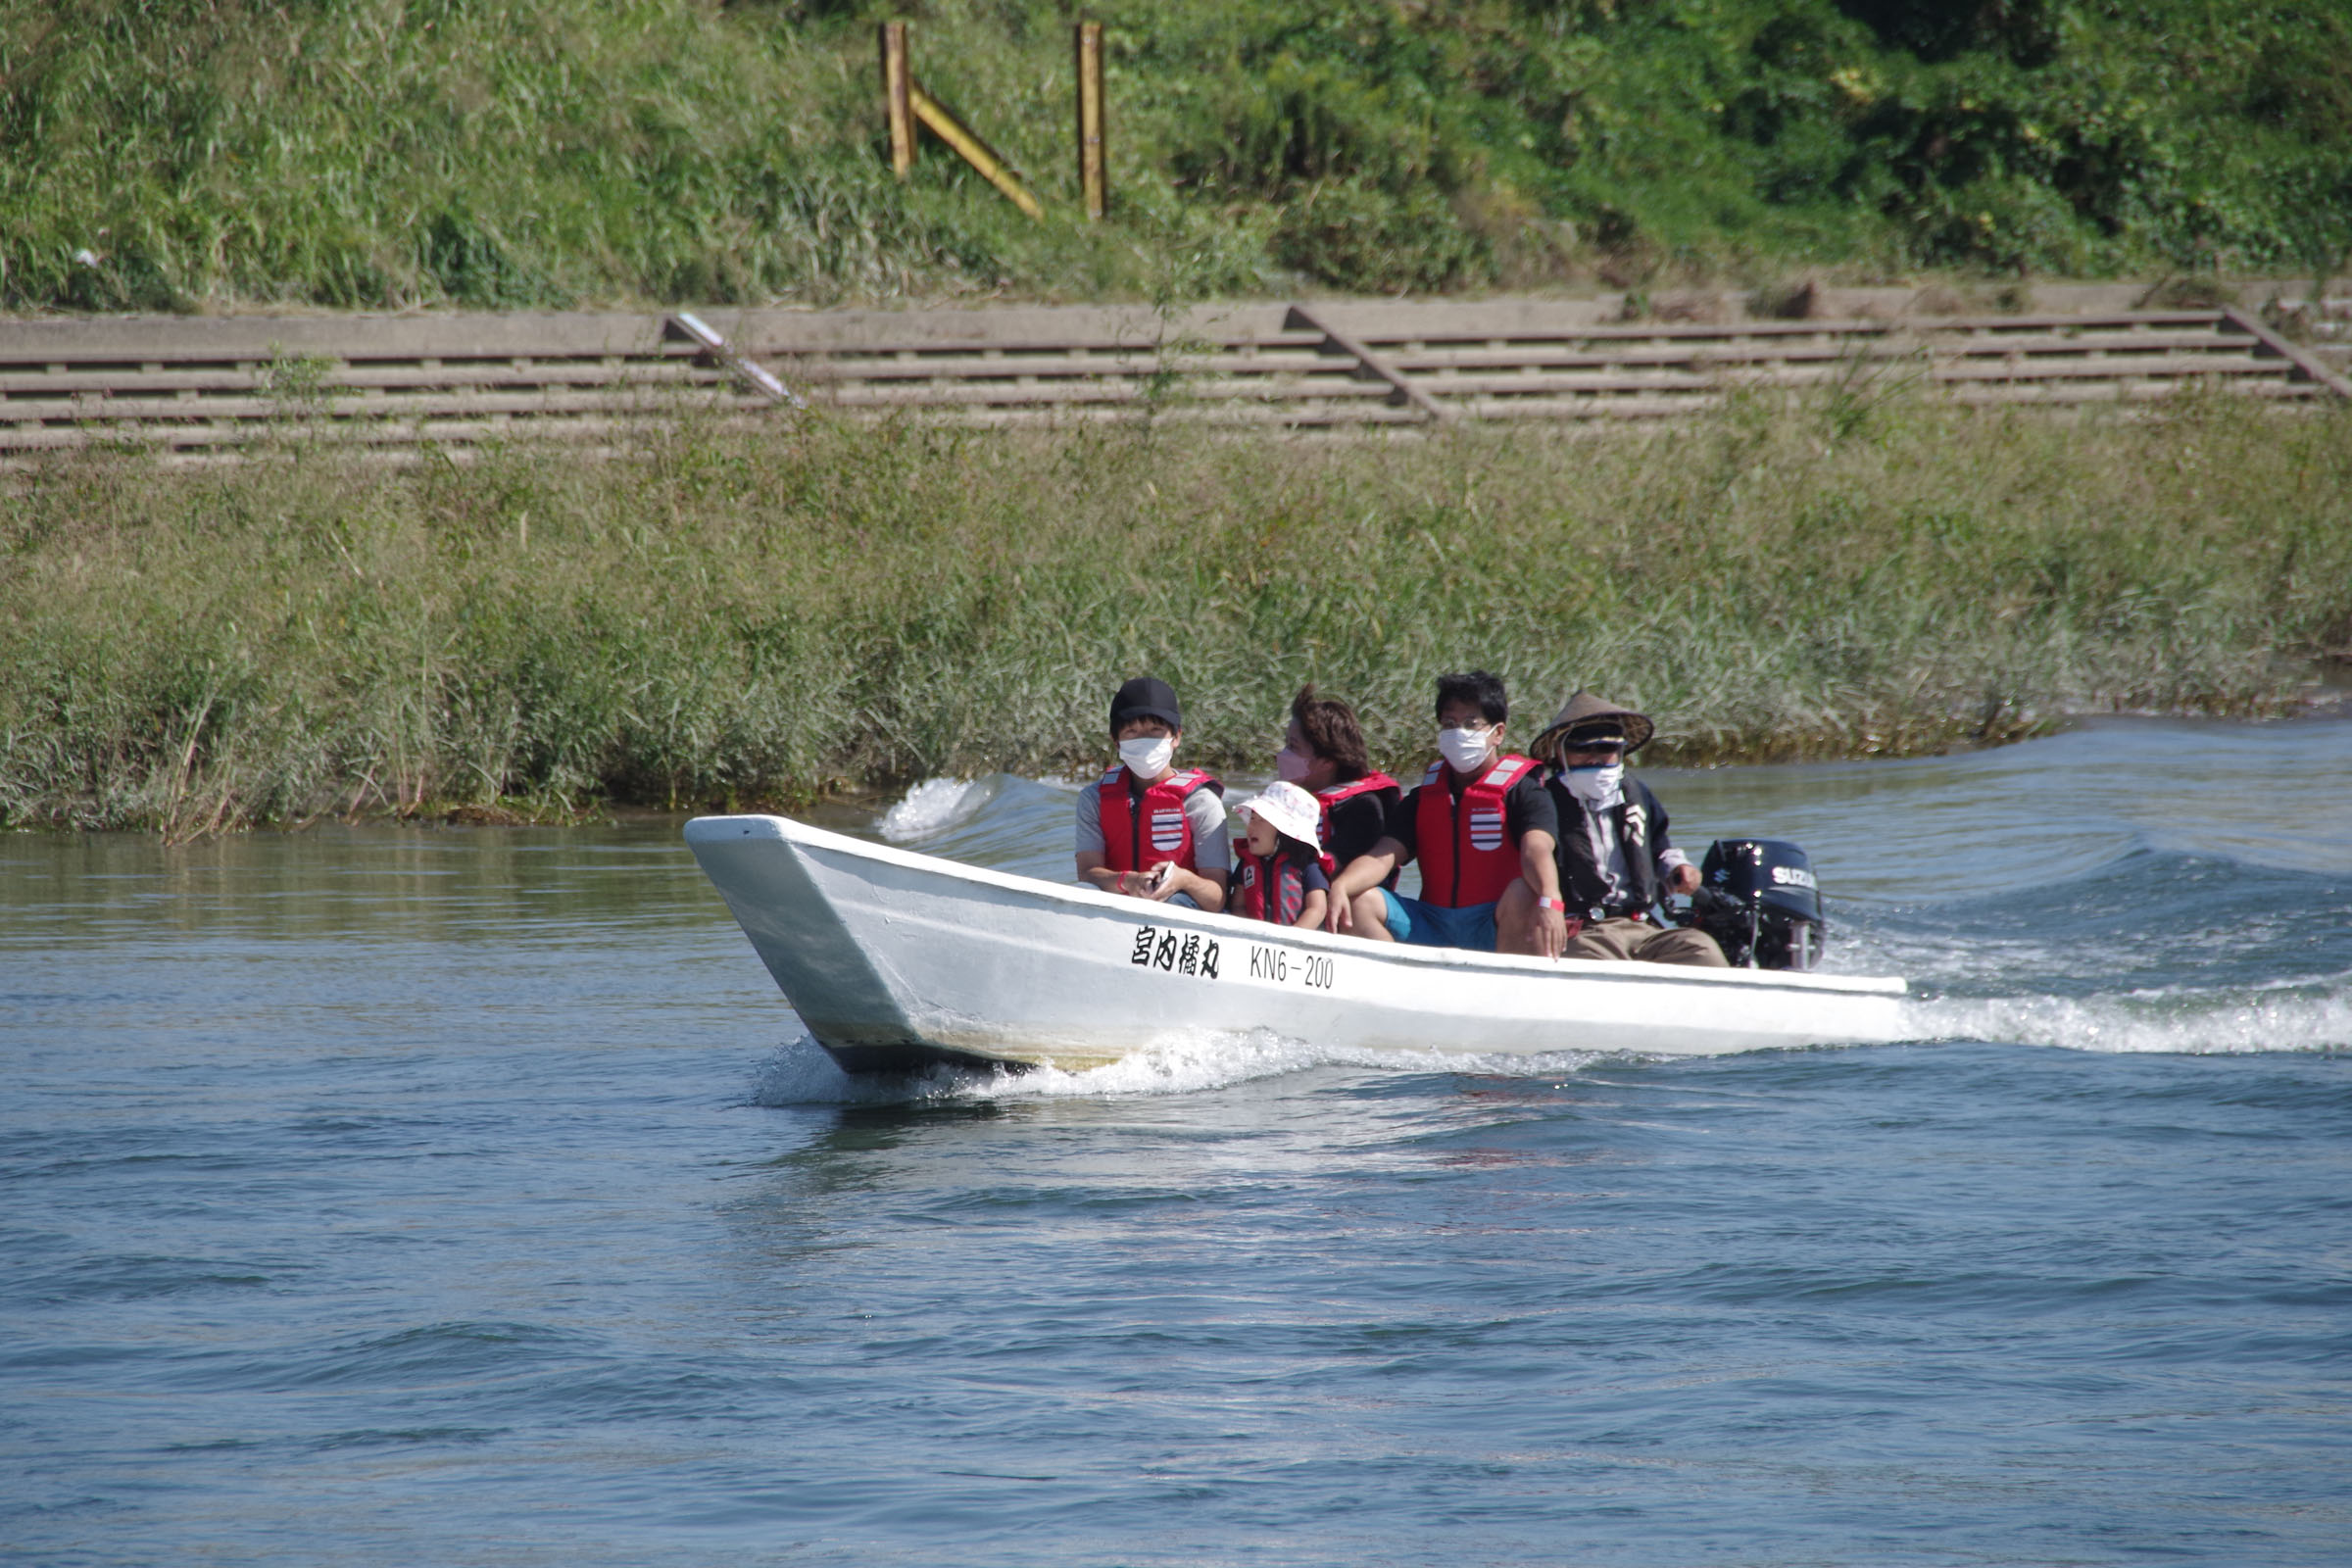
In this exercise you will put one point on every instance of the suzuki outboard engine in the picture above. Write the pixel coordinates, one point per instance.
(1758, 900)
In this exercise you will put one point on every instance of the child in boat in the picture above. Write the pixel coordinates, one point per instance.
(1147, 828)
(1282, 876)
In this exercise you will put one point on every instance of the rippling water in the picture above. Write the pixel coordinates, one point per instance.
(409, 1195)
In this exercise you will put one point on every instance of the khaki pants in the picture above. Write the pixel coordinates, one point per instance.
(1639, 939)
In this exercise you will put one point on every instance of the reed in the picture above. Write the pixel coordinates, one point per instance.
(728, 619)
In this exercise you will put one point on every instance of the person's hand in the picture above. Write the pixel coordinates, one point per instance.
(1552, 931)
(1160, 883)
(1337, 917)
(1684, 879)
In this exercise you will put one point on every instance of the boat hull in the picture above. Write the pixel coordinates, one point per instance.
(896, 961)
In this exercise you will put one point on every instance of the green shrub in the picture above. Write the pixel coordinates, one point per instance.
(521, 154)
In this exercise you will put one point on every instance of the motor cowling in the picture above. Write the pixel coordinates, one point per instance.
(1760, 901)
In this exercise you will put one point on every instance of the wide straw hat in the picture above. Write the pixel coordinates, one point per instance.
(1593, 722)
(1293, 812)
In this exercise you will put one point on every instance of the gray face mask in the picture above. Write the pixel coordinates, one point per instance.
(1596, 784)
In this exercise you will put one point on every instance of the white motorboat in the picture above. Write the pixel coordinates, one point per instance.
(896, 962)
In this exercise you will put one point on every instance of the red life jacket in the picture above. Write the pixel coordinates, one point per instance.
(1371, 783)
(1137, 840)
(1273, 886)
(1466, 852)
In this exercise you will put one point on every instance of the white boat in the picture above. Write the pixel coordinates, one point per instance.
(896, 962)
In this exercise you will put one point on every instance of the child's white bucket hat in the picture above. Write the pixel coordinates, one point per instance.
(1293, 812)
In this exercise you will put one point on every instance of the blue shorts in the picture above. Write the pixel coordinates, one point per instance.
(1433, 926)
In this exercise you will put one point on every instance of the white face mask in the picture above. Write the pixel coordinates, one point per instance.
(1597, 785)
(1290, 766)
(1147, 756)
(1465, 749)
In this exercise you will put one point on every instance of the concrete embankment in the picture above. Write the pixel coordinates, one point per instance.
(199, 392)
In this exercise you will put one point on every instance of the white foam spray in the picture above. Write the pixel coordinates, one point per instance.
(801, 1073)
(934, 805)
(2299, 1017)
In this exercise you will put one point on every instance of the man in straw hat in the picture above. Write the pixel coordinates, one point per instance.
(1616, 860)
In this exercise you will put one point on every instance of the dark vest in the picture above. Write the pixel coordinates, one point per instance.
(1584, 886)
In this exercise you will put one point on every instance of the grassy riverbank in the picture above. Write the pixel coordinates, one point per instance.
(739, 619)
(373, 153)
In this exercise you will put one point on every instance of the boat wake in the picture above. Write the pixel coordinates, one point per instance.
(1001, 820)
(2285, 1018)
(935, 806)
(800, 1073)
(2149, 952)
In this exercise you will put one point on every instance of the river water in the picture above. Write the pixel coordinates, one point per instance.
(404, 1196)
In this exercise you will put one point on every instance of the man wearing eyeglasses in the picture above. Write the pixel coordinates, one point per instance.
(1480, 822)
(1616, 859)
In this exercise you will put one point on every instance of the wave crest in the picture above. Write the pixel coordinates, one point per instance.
(934, 805)
(2186, 1023)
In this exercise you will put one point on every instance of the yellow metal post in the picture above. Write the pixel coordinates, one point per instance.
(897, 97)
(976, 152)
(1091, 176)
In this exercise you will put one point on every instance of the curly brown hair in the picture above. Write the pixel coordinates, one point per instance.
(1331, 730)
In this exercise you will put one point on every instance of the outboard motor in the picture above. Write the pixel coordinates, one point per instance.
(1758, 900)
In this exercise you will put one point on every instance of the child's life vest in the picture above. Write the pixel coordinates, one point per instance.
(1273, 886)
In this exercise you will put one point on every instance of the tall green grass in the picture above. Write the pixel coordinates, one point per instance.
(737, 619)
(196, 155)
